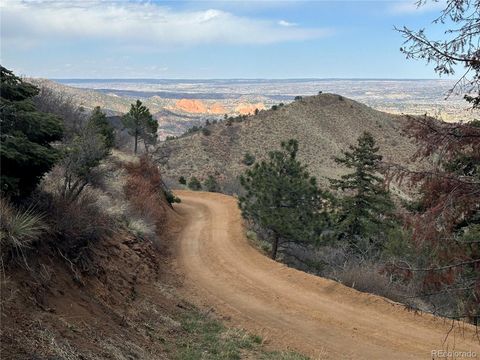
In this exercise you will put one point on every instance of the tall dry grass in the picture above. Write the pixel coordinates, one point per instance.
(19, 228)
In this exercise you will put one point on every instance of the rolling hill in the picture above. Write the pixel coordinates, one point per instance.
(324, 125)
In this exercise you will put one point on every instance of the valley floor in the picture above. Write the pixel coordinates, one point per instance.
(291, 309)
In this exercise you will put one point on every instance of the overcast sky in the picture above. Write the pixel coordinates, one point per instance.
(211, 39)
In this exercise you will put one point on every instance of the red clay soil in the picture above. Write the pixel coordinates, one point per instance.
(293, 309)
(119, 305)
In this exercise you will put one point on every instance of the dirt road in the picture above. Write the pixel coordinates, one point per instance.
(292, 309)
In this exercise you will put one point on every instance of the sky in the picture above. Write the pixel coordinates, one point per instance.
(212, 39)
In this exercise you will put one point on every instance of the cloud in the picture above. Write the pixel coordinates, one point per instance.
(411, 7)
(286, 23)
(140, 24)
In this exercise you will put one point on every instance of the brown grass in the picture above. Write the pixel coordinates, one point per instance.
(74, 225)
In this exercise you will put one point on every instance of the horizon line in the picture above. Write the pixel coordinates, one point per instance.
(246, 79)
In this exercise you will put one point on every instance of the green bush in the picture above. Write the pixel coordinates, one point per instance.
(194, 184)
(171, 198)
(211, 184)
(182, 180)
(248, 159)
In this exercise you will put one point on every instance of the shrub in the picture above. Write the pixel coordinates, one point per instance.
(146, 191)
(64, 106)
(211, 184)
(248, 159)
(75, 224)
(171, 198)
(257, 111)
(297, 98)
(81, 157)
(274, 107)
(182, 180)
(206, 132)
(194, 184)
(19, 228)
(369, 278)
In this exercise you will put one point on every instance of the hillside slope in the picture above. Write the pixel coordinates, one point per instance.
(323, 125)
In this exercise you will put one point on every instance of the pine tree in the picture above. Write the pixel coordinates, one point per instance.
(140, 124)
(194, 184)
(283, 199)
(26, 134)
(364, 213)
(99, 119)
(211, 184)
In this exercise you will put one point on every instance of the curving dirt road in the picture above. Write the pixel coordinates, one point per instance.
(292, 309)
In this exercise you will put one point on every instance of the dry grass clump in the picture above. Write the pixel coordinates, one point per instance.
(19, 228)
(75, 224)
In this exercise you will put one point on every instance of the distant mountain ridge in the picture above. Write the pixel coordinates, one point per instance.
(174, 115)
(324, 125)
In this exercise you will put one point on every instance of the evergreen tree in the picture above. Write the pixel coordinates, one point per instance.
(283, 199)
(194, 184)
(26, 134)
(211, 184)
(140, 124)
(99, 119)
(365, 209)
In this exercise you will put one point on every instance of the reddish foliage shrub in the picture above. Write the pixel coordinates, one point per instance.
(446, 225)
(145, 191)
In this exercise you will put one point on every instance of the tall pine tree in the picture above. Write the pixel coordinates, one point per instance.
(141, 125)
(364, 211)
(283, 199)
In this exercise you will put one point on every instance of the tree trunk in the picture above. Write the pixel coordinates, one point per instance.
(136, 143)
(273, 255)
